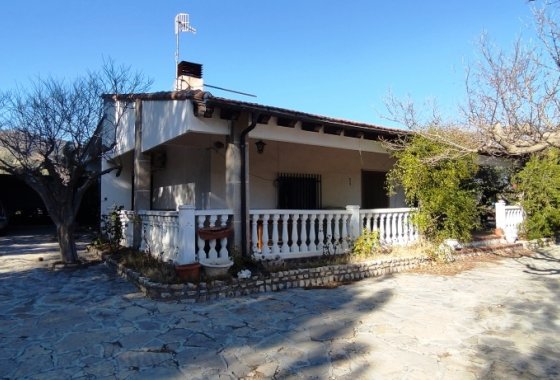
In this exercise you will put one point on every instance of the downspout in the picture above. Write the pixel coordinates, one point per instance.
(244, 213)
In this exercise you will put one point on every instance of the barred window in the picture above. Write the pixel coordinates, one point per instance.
(299, 191)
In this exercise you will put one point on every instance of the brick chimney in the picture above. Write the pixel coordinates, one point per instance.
(189, 76)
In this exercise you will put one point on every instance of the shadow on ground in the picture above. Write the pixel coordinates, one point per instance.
(521, 339)
(88, 322)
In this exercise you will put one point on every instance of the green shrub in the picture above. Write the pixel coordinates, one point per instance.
(441, 185)
(539, 186)
(111, 228)
(367, 244)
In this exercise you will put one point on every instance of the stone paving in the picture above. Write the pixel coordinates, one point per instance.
(500, 320)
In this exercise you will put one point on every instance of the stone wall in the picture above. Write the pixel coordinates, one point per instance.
(295, 278)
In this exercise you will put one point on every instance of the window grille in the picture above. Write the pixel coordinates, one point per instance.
(299, 191)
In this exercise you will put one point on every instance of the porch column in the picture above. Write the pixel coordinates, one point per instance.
(234, 176)
(141, 182)
(355, 227)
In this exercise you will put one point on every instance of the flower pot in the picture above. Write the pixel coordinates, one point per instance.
(510, 234)
(216, 270)
(188, 272)
(499, 232)
(214, 233)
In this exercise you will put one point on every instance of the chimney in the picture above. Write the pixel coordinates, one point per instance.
(189, 76)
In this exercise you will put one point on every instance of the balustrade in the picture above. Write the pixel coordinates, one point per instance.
(160, 234)
(274, 233)
(299, 233)
(212, 250)
(394, 225)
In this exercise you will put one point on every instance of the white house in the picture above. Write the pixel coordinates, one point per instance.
(191, 160)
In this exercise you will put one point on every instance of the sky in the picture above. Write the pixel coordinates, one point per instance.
(329, 57)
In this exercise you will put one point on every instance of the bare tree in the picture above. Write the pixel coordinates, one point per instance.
(51, 138)
(513, 103)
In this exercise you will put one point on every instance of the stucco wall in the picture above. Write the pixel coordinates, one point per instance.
(117, 190)
(165, 120)
(184, 179)
(340, 170)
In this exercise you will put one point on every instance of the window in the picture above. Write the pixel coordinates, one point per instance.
(299, 191)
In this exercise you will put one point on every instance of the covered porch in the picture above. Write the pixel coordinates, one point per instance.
(288, 184)
(275, 234)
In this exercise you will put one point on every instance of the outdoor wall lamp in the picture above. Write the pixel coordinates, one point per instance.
(260, 146)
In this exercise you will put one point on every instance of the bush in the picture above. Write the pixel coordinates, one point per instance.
(539, 186)
(111, 228)
(366, 244)
(441, 185)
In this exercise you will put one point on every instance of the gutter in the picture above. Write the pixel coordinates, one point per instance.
(244, 210)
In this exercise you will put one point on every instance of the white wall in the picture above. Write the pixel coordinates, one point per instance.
(340, 170)
(117, 191)
(119, 124)
(185, 179)
(164, 120)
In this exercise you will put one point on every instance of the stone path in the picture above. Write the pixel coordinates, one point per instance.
(496, 321)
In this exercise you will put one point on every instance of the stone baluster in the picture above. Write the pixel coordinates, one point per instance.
(405, 232)
(312, 233)
(265, 247)
(382, 228)
(303, 234)
(254, 233)
(295, 247)
(285, 246)
(224, 242)
(275, 249)
(329, 232)
(345, 232)
(376, 225)
(394, 236)
(321, 237)
(212, 253)
(201, 243)
(336, 230)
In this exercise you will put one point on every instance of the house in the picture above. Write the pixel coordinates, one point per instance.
(289, 183)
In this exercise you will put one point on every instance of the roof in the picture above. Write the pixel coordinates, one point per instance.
(205, 103)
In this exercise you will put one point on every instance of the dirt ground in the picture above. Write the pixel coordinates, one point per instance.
(468, 262)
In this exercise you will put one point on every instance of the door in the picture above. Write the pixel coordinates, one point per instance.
(374, 194)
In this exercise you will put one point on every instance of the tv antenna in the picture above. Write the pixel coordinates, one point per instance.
(182, 24)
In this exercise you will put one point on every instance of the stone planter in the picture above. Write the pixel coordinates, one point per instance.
(214, 233)
(188, 272)
(510, 234)
(214, 270)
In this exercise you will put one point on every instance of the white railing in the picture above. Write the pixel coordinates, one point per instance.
(513, 216)
(214, 250)
(160, 234)
(127, 227)
(394, 225)
(508, 217)
(174, 235)
(299, 233)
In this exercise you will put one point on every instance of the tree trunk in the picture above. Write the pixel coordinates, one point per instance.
(67, 243)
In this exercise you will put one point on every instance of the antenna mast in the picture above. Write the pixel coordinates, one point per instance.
(182, 24)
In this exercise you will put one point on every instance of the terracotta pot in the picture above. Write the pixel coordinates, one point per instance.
(214, 233)
(188, 272)
(499, 232)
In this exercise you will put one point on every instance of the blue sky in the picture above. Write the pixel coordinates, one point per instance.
(335, 58)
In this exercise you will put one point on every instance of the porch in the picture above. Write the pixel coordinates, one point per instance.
(274, 234)
(280, 234)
